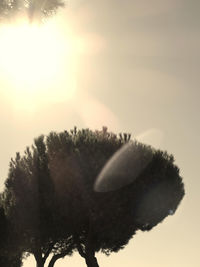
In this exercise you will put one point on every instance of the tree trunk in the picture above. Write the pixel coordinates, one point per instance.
(88, 253)
(54, 259)
(39, 261)
(91, 260)
(39, 264)
(52, 262)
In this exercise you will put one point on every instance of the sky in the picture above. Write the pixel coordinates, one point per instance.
(130, 65)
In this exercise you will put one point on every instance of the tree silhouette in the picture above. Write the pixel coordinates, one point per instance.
(29, 204)
(107, 221)
(50, 197)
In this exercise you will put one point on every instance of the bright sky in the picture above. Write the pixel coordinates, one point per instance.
(130, 65)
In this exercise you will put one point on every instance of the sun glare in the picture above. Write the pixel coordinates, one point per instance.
(37, 63)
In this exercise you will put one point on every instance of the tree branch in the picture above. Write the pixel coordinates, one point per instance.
(55, 258)
(58, 256)
(46, 255)
(80, 249)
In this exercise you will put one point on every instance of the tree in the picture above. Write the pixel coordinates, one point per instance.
(106, 221)
(29, 204)
(49, 196)
(35, 9)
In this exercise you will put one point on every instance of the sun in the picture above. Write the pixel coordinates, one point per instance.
(37, 62)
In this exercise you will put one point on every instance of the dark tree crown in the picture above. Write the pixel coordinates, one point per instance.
(49, 195)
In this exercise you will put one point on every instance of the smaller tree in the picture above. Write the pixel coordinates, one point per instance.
(36, 10)
(30, 205)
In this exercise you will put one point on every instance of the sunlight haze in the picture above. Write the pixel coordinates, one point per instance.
(130, 65)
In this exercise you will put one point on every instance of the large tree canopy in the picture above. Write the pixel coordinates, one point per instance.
(50, 201)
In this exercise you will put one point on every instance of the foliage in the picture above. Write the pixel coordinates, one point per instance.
(50, 201)
(8, 255)
(29, 202)
(35, 9)
(107, 221)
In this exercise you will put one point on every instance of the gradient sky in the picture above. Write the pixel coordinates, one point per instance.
(137, 71)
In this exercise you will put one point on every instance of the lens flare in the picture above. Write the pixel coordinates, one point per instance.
(123, 167)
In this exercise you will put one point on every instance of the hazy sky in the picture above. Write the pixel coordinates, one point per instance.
(136, 70)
